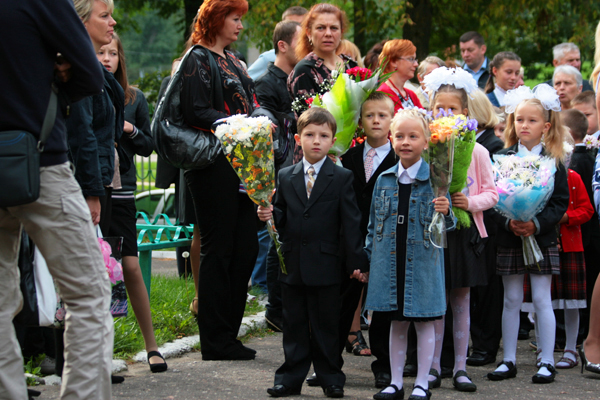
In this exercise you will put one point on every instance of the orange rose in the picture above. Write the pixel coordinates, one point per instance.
(434, 138)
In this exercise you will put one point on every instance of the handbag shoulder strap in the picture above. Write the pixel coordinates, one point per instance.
(49, 119)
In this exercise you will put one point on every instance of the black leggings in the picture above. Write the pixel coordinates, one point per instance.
(227, 222)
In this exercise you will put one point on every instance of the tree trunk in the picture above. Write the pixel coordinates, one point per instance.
(359, 25)
(191, 10)
(421, 13)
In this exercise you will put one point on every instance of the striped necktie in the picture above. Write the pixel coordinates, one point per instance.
(369, 163)
(311, 180)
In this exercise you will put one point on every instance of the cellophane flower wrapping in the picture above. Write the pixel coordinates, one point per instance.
(440, 155)
(111, 252)
(464, 131)
(344, 100)
(248, 145)
(524, 184)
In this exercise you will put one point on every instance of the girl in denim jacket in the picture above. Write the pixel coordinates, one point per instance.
(407, 271)
(465, 265)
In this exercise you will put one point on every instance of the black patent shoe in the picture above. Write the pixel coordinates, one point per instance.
(313, 380)
(397, 395)
(382, 380)
(501, 375)
(539, 378)
(592, 367)
(417, 397)
(438, 379)
(282, 391)
(157, 367)
(410, 370)
(463, 386)
(479, 358)
(334, 391)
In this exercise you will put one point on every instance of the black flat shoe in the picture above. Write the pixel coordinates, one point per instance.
(463, 386)
(282, 391)
(157, 367)
(114, 379)
(313, 380)
(438, 379)
(382, 380)
(592, 367)
(539, 378)
(499, 376)
(410, 370)
(416, 397)
(397, 395)
(334, 391)
(478, 359)
(238, 354)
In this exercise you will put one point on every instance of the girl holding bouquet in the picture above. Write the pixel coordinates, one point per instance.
(407, 287)
(465, 257)
(533, 129)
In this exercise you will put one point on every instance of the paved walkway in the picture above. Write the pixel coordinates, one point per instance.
(190, 378)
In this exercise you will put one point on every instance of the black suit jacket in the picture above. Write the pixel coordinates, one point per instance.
(548, 218)
(311, 229)
(582, 162)
(353, 160)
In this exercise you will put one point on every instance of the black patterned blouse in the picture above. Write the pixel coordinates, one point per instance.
(309, 77)
(236, 84)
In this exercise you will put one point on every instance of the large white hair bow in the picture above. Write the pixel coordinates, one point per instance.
(458, 77)
(545, 93)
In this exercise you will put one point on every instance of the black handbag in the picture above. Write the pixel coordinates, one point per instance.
(175, 141)
(20, 160)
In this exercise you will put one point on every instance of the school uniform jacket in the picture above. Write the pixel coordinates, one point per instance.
(310, 229)
(354, 161)
(580, 211)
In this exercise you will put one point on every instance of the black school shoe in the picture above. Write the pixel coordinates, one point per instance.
(334, 391)
(313, 380)
(282, 391)
(539, 378)
(479, 358)
(415, 397)
(397, 395)
(463, 386)
(382, 380)
(499, 376)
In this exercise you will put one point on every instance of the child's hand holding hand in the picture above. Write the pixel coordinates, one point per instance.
(264, 214)
(362, 277)
(520, 228)
(332, 157)
(442, 205)
(460, 200)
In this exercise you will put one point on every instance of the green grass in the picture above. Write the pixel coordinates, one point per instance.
(169, 301)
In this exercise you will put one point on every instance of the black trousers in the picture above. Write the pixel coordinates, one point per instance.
(379, 340)
(310, 334)
(350, 292)
(487, 303)
(273, 286)
(227, 222)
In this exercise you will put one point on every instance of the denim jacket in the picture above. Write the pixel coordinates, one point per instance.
(424, 292)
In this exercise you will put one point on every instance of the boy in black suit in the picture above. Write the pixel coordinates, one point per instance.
(367, 161)
(313, 204)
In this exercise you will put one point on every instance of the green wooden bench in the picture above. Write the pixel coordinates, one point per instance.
(160, 234)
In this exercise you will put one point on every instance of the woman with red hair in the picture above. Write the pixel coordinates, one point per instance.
(401, 58)
(225, 215)
(322, 32)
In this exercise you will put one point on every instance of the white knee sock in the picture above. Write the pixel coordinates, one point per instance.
(545, 320)
(513, 299)
(571, 330)
(425, 349)
(398, 344)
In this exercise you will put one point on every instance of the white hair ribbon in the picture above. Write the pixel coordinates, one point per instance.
(545, 93)
(457, 77)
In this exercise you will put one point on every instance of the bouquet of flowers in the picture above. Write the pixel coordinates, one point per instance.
(248, 145)
(524, 186)
(344, 100)
(463, 130)
(111, 252)
(440, 156)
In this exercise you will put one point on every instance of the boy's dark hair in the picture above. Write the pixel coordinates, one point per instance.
(379, 96)
(474, 36)
(317, 116)
(587, 97)
(284, 30)
(295, 10)
(577, 122)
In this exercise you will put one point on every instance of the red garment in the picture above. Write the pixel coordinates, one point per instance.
(396, 99)
(580, 211)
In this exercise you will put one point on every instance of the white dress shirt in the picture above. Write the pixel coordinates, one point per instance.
(408, 175)
(535, 151)
(500, 93)
(317, 166)
(380, 153)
